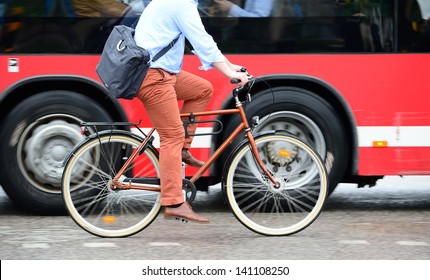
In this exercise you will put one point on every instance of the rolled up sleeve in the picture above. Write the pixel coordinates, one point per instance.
(208, 58)
(203, 44)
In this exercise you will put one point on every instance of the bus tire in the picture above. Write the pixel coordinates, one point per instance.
(307, 116)
(37, 135)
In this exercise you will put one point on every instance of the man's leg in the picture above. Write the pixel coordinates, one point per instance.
(196, 93)
(158, 95)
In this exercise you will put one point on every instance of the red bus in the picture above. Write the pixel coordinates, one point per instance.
(351, 77)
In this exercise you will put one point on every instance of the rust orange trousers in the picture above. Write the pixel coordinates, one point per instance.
(159, 93)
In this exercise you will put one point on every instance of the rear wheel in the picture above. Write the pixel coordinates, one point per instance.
(89, 197)
(276, 210)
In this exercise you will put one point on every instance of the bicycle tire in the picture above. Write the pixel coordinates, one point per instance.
(86, 191)
(264, 208)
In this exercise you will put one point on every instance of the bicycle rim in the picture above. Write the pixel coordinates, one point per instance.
(283, 210)
(90, 200)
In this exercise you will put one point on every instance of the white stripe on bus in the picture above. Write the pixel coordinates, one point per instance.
(198, 141)
(395, 136)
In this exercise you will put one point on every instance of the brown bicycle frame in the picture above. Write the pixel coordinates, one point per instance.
(243, 126)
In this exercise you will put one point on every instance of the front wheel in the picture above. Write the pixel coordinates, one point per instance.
(276, 210)
(86, 186)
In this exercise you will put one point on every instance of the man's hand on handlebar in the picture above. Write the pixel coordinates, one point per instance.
(236, 73)
(240, 77)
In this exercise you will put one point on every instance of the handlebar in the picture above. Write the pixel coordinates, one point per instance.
(239, 92)
(246, 86)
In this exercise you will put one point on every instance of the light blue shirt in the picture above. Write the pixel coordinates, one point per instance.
(162, 21)
(252, 8)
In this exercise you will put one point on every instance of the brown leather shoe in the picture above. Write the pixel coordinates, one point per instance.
(190, 160)
(183, 212)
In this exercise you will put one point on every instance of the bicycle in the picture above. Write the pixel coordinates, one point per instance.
(275, 183)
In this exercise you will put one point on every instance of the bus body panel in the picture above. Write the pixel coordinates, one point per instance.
(387, 105)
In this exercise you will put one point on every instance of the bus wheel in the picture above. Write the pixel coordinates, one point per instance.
(37, 136)
(308, 117)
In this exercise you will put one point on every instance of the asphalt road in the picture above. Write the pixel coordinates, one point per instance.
(388, 222)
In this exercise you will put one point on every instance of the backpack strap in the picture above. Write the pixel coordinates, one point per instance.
(135, 23)
(165, 49)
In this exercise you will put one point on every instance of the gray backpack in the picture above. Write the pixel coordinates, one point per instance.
(123, 64)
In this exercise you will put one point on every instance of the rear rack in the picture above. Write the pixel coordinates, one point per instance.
(110, 126)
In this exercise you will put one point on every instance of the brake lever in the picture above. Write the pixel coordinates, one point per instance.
(248, 97)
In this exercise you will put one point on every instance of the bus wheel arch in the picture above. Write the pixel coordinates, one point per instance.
(35, 136)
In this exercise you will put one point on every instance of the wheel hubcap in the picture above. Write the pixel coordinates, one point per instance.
(43, 147)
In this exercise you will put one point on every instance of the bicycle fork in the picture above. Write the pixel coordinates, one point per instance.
(251, 141)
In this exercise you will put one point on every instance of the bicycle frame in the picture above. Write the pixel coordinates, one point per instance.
(243, 126)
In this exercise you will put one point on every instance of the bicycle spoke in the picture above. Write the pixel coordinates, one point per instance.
(92, 202)
(291, 205)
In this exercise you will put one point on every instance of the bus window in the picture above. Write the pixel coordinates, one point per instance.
(367, 25)
(414, 26)
(315, 26)
(99, 8)
(62, 26)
